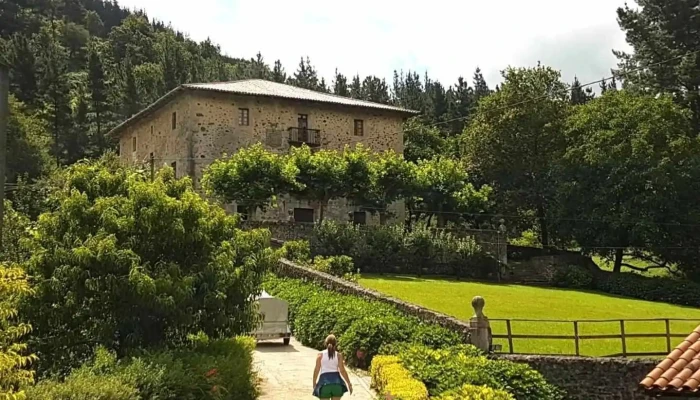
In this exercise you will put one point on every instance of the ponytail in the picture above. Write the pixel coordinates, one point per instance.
(331, 344)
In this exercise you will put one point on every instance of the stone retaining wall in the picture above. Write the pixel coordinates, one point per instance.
(291, 270)
(588, 378)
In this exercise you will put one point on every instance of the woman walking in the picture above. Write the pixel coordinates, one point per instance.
(330, 373)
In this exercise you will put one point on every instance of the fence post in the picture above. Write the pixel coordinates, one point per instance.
(510, 336)
(622, 335)
(668, 336)
(576, 342)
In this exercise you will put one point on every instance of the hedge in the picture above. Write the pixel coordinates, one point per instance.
(391, 249)
(472, 392)
(450, 368)
(630, 284)
(359, 324)
(220, 369)
(390, 377)
(428, 351)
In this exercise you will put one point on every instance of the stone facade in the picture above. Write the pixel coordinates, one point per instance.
(196, 127)
(591, 378)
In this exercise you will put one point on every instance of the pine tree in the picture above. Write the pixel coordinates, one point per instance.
(579, 95)
(356, 88)
(413, 98)
(258, 68)
(603, 86)
(481, 89)
(24, 80)
(98, 94)
(435, 100)
(460, 99)
(130, 99)
(54, 86)
(340, 84)
(397, 91)
(306, 76)
(278, 74)
(375, 89)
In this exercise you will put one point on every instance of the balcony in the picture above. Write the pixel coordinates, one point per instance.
(307, 136)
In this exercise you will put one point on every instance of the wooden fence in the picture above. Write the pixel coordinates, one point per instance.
(671, 337)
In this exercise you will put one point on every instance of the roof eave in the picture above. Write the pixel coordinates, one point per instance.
(117, 130)
(398, 110)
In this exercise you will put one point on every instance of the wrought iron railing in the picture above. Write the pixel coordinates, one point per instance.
(308, 136)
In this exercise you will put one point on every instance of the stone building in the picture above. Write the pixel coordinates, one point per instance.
(195, 124)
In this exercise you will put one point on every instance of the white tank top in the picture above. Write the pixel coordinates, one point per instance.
(329, 364)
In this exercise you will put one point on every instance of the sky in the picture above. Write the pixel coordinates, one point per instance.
(447, 39)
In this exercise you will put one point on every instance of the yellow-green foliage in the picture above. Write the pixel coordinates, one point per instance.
(390, 377)
(15, 373)
(472, 392)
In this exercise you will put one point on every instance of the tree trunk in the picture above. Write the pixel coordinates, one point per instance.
(544, 231)
(617, 267)
(320, 213)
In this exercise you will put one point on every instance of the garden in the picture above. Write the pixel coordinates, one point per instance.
(408, 358)
(128, 287)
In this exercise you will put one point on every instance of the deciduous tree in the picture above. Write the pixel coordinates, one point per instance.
(516, 137)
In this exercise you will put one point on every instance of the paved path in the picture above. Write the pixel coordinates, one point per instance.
(287, 373)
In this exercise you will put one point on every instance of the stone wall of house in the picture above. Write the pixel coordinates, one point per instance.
(588, 378)
(155, 134)
(208, 128)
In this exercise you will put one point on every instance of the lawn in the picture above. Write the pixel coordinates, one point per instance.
(506, 301)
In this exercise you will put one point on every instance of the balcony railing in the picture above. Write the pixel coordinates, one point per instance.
(307, 136)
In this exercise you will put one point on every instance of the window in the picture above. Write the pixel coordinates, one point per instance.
(174, 120)
(151, 130)
(243, 117)
(243, 211)
(173, 165)
(304, 215)
(359, 127)
(359, 218)
(133, 143)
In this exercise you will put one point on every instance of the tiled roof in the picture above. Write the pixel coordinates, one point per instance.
(261, 87)
(679, 373)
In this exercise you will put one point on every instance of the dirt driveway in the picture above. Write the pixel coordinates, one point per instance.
(287, 372)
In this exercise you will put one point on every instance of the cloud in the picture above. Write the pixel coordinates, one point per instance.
(446, 38)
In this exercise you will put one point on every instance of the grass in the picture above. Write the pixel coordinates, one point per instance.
(506, 301)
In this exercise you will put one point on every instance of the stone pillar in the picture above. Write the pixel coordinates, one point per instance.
(479, 326)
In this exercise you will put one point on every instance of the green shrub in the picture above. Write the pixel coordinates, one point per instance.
(128, 263)
(332, 238)
(334, 265)
(298, 251)
(573, 276)
(448, 369)
(390, 377)
(370, 333)
(381, 249)
(472, 392)
(82, 386)
(220, 369)
(358, 323)
(661, 289)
